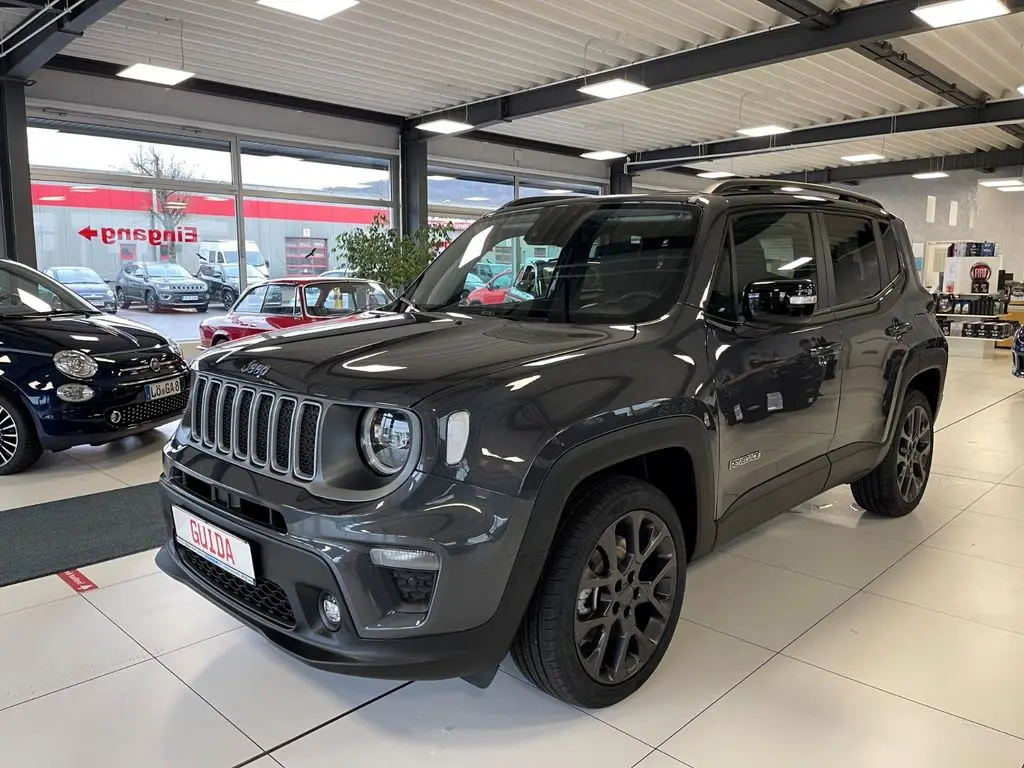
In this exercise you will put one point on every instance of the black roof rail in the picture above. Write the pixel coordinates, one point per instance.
(540, 199)
(769, 186)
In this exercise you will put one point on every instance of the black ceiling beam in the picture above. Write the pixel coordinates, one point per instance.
(803, 11)
(865, 23)
(970, 161)
(992, 113)
(46, 34)
(37, 5)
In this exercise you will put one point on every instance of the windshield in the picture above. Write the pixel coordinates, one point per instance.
(340, 297)
(231, 272)
(25, 292)
(76, 276)
(254, 258)
(166, 270)
(590, 262)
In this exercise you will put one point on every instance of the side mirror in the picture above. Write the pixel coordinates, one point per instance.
(779, 300)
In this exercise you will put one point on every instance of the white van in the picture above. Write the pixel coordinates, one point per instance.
(226, 252)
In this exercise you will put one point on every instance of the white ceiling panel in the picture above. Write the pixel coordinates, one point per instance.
(903, 146)
(812, 91)
(988, 53)
(411, 56)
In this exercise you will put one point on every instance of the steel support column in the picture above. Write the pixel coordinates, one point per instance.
(17, 234)
(412, 192)
(620, 182)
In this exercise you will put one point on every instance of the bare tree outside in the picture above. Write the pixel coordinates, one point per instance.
(169, 207)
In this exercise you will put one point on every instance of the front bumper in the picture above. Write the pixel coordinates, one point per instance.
(64, 425)
(178, 300)
(1017, 361)
(303, 546)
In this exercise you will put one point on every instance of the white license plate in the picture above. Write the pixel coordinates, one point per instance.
(97, 302)
(190, 298)
(222, 549)
(161, 389)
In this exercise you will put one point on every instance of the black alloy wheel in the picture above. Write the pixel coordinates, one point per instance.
(913, 454)
(608, 602)
(625, 597)
(122, 300)
(151, 303)
(228, 297)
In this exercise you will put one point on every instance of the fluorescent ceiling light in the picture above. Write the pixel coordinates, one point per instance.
(812, 198)
(763, 130)
(53, 199)
(613, 89)
(445, 126)
(1002, 183)
(556, 191)
(1020, 89)
(1012, 189)
(716, 175)
(318, 10)
(931, 175)
(794, 264)
(152, 74)
(603, 154)
(436, 177)
(78, 188)
(959, 11)
(793, 190)
(868, 157)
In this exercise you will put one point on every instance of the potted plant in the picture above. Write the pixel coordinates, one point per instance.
(380, 253)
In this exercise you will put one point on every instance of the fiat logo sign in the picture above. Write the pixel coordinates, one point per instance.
(981, 272)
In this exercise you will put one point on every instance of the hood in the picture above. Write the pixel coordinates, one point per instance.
(397, 359)
(93, 334)
(88, 288)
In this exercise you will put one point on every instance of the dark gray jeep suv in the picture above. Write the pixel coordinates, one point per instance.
(414, 493)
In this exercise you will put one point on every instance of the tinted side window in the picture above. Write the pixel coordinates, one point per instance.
(890, 249)
(281, 300)
(772, 246)
(252, 302)
(855, 264)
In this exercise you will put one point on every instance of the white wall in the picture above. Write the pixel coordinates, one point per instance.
(983, 213)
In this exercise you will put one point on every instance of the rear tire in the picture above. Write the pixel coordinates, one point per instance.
(592, 646)
(123, 301)
(227, 298)
(896, 486)
(19, 443)
(203, 309)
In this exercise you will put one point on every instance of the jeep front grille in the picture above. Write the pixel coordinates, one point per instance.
(258, 427)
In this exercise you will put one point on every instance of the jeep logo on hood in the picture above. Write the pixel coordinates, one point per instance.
(255, 369)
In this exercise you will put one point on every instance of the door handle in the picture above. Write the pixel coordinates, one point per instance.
(898, 328)
(825, 350)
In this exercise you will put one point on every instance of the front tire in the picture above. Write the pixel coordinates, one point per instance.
(227, 298)
(151, 304)
(203, 309)
(19, 443)
(896, 486)
(608, 601)
(123, 301)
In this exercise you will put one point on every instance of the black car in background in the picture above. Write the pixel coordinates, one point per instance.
(72, 375)
(87, 284)
(223, 284)
(160, 285)
(414, 493)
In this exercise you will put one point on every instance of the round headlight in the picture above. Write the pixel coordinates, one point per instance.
(385, 438)
(175, 348)
(75, 364)
(110, 294)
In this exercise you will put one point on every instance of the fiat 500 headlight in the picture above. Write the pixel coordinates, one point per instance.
(385, 440)
(75, 364)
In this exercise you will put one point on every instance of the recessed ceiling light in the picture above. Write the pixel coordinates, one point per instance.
(959, 12)
(477, 199)
(436, 177)
(556, 191)
(812, 198)
(445, 126)
(152, 74)
(53, 199)
(716, 175)
(613, 89)
(763, 130)
(1012, 189)
(931, 175)
(1002, 183)
(318, 10)
(1020, 89)
(868, 157)
(603, 154)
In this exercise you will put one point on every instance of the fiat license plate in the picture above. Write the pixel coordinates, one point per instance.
(161, 389)
(224, 550)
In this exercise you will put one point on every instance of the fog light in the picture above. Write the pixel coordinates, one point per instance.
(330, 611)
(414, 559)
(165, 297)
(116, 417)
(75, 393)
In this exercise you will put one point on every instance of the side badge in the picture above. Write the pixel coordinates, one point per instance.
(707, 421)
(742, 461)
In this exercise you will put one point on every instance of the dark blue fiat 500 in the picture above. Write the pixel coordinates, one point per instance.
(71, 375)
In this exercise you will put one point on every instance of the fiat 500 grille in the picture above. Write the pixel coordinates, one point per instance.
(258, 427)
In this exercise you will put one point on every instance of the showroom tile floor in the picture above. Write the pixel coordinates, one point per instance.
(823, 638)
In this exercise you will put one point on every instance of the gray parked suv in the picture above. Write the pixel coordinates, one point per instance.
(160, 285)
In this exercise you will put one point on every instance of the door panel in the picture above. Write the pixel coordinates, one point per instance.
(777, 383)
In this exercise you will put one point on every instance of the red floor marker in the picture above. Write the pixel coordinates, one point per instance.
(77, 581)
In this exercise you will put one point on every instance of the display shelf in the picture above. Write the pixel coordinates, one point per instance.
(980, 338)
(957, 314)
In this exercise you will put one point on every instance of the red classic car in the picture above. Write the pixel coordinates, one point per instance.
(492, 292)
(291, 301)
